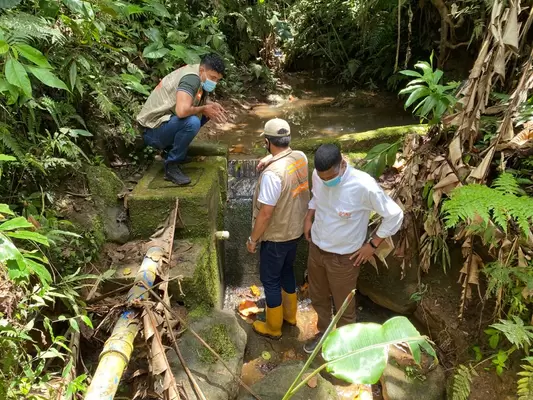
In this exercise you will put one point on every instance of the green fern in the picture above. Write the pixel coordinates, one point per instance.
(10, 142)
(525, 383)
(516, 332)
(461, 382)
(499, 204)
(506, 183)
(19, 27)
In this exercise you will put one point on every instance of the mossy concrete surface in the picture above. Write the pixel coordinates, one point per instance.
(200, 203)
(198, 148)
(357, 142)
(195, 276)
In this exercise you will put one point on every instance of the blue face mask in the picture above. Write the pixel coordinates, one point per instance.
(209, 85)
(333, 182)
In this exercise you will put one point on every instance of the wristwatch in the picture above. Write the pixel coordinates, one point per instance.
(372, 244)
(250, 240)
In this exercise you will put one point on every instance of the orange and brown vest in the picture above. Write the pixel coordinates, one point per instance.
(287, 221)
(161, 103)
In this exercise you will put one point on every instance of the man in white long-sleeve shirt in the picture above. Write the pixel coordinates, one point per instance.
(336, 226)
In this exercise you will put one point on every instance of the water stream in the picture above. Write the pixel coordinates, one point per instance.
(315, 110)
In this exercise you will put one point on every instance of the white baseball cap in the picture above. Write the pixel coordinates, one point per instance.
(277, 128)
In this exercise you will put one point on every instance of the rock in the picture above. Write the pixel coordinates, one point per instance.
(361, 141)
(104, 184)
(115, 227)
(404, 380)
(222, 332)
(387, 288)
(277, 99)
(277, 382)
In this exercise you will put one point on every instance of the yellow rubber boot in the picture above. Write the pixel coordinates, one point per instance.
(272, 327)
(290, 305)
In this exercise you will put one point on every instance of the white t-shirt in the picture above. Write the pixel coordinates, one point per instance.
(270, 189)
(342, 212)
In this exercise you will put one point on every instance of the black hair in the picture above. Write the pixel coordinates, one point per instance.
(281, 142)
(327, 156)
(214, 62)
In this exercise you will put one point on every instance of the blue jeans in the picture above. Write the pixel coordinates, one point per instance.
(276, 260)
(174, 135)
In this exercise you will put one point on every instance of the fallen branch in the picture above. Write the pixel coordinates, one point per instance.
(172, 338)
(202, 341)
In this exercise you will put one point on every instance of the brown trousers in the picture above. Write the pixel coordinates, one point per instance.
(331, 275)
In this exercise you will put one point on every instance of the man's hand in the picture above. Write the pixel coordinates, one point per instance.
(215, 112)
(251, 247)
(263, 162)
(308, 224)
(362, 255)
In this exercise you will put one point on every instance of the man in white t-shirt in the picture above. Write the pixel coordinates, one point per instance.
(279, 207)
(336, 226)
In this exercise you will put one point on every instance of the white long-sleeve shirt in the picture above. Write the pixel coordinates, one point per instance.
(342, 212)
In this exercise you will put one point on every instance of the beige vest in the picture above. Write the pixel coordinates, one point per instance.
(287, 221)
(161, 104)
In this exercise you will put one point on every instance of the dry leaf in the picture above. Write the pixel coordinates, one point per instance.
(525, 136)
(255, 291)
(511, 32)
(160, 367)
(481, 170)
(247, 308)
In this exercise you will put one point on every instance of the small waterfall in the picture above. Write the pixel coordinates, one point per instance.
(241, 268)
(242, 178)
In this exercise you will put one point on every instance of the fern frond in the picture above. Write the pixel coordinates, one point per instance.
(105, 104)
(500, 204)
(10, 142)
(516, 332)
(525, 383)
(506, 183)
(22, 27)
(461, 382)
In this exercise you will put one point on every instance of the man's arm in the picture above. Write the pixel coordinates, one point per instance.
(392, 221)
(262, 221)
(309, 217)
(269, 194)
(390, 211)
(184, 107)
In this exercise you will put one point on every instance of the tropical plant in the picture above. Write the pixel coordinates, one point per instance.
(429, 98)
(29, 289)
(358, 353)
(525, 381)
(462, 381)
(380, 157)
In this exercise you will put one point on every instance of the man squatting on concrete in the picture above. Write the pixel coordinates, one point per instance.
(279, 208)
(177, 108)
(343, 199)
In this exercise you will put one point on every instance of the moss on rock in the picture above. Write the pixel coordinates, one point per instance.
(198, 148)
(104, 184)
(218, 338)
(357, 142)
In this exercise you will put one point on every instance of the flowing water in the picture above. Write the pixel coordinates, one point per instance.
(312, 112)
(319, 111)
